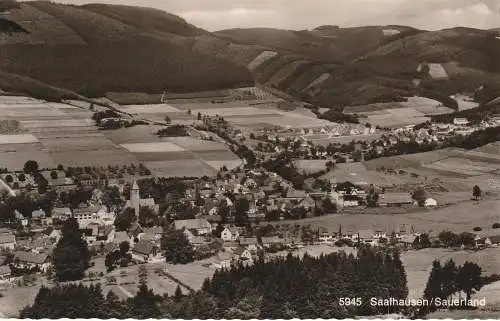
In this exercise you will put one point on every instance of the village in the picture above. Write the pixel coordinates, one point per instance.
(237, 217)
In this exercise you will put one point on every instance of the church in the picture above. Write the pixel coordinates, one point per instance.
(136, 202)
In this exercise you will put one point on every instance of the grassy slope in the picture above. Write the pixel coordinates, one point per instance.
(117, 57)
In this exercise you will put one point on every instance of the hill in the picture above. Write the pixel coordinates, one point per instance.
(333, 67)
(97, 49)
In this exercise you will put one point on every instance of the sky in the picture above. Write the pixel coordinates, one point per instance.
(306, 14)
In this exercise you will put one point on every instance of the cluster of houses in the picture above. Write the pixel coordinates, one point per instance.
(348, 195)
(330, 131)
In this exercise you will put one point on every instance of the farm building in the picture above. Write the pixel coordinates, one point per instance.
(202, 226)
(144, 250)
(395, 200)
(31, 260)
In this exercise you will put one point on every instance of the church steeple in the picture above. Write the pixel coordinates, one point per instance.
(135, 197)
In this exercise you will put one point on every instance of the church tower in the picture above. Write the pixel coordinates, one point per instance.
(135, 198)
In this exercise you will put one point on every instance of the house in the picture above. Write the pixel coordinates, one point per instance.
(4, 272)
(407, 240)
(230, 234)
(293, 194)
(268, 241)
(31, 260)
(144, 251)
(7, 240)
(223, 260)
(430, 202)
(214, 220)
(105, 234)
(395, 200)
(242, 253)
(460, 121)
(134, 230)
(202, 226)
(61, 213)
(251, 243)
(155, 231)
(86, 215)
(38, 214)
(492, 240)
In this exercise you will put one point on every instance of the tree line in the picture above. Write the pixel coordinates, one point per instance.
(449, 279)
(286, 287)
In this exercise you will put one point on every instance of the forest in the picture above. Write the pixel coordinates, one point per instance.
(288, 287)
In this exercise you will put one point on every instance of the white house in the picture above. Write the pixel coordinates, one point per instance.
(430, 202)
(242, 253)
(460, 121)
(223, 260)
(230, 234)
(201, 225)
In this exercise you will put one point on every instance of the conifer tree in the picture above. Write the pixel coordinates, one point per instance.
(71, 255)
(433, 288)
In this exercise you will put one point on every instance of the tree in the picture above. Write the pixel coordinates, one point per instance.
(242, 206)
(176, 247)
(7, 213)
(168, 120)
(372, 198)
(178, 293)
(224, 211)
(111, 197)
(469, 278)
(71, 255)
(9, 179)
(466, 239)
(60, 167)
(448, 238)
(145, 304)
(124, 219)
(124, 248)
(147, 217)
(476, 192)
(420, 195)
(422, 241)
(433, 287)
(30, 167)
(53, 174)
(448, 279)
(21, 177)
(110, 260)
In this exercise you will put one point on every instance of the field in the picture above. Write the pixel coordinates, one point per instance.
(437, 71)
(260, 59)
(58, 133)
(461, 217)
(254, 114)
(310, 165)
(398, 114)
